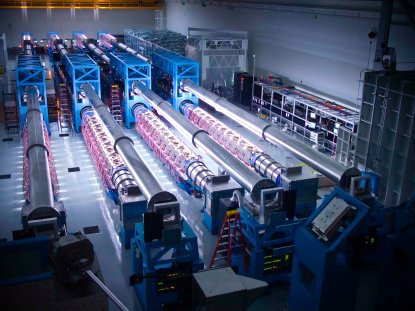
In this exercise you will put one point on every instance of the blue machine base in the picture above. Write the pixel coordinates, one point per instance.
(211, 223)
(159, 300)
(161, 270)
(125, 237)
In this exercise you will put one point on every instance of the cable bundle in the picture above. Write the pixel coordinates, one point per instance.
(101, 148)
(168, 148)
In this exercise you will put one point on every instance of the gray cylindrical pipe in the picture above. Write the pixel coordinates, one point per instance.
(93, 48)
(41, 192)
(125, 48)
(61, 49)
(319, 161)
(148, 185)
(240, 172)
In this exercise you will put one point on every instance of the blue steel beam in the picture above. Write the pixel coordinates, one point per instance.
(130, 69)
(80, 69)
(177, 68)
(30, 72)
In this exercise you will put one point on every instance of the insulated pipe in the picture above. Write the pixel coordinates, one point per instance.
(240, 172)
(110, 294)
(148, 185)
(319, 161)
(125, 48)
(41, 192)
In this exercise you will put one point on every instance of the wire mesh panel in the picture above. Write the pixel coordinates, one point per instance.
(386, 135)
(220, 53)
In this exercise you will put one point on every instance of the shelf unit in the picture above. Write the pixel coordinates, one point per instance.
(311, 117)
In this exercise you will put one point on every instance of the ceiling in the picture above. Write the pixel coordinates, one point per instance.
(83, 4)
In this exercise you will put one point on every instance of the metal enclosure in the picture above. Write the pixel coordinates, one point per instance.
(386, 135)
(300, 178)
(325, 255)
(221, 53)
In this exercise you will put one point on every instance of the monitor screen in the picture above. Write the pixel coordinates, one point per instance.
(312, 115)
(311, 125)
(337, 125)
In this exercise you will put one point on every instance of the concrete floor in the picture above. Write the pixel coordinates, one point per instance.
(87, 204)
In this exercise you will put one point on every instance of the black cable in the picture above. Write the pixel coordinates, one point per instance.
(370, 52)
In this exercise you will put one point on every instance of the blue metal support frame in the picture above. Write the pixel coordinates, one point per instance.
(30, 72)
(270, 246)
(80, 69)
(129, 69)
(150, 260)
(177, 68)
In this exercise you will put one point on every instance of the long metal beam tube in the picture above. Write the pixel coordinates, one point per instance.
(240, 172)
(125, 48)
(319, 161)
(61, 49)
(41, 192)
(93, 48)
(110, 294)
(148, 185)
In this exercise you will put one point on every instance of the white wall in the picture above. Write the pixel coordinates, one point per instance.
(323, 52)
(39, 22)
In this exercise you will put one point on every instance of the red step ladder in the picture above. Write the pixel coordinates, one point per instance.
(115, 104)
(229, 238)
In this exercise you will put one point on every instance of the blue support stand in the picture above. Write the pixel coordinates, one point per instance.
(30, 72)
(80, 69)
(129, 69)
(162, 270)
(271, 246)
(169, 69)
(132, 209)
(325, 272)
